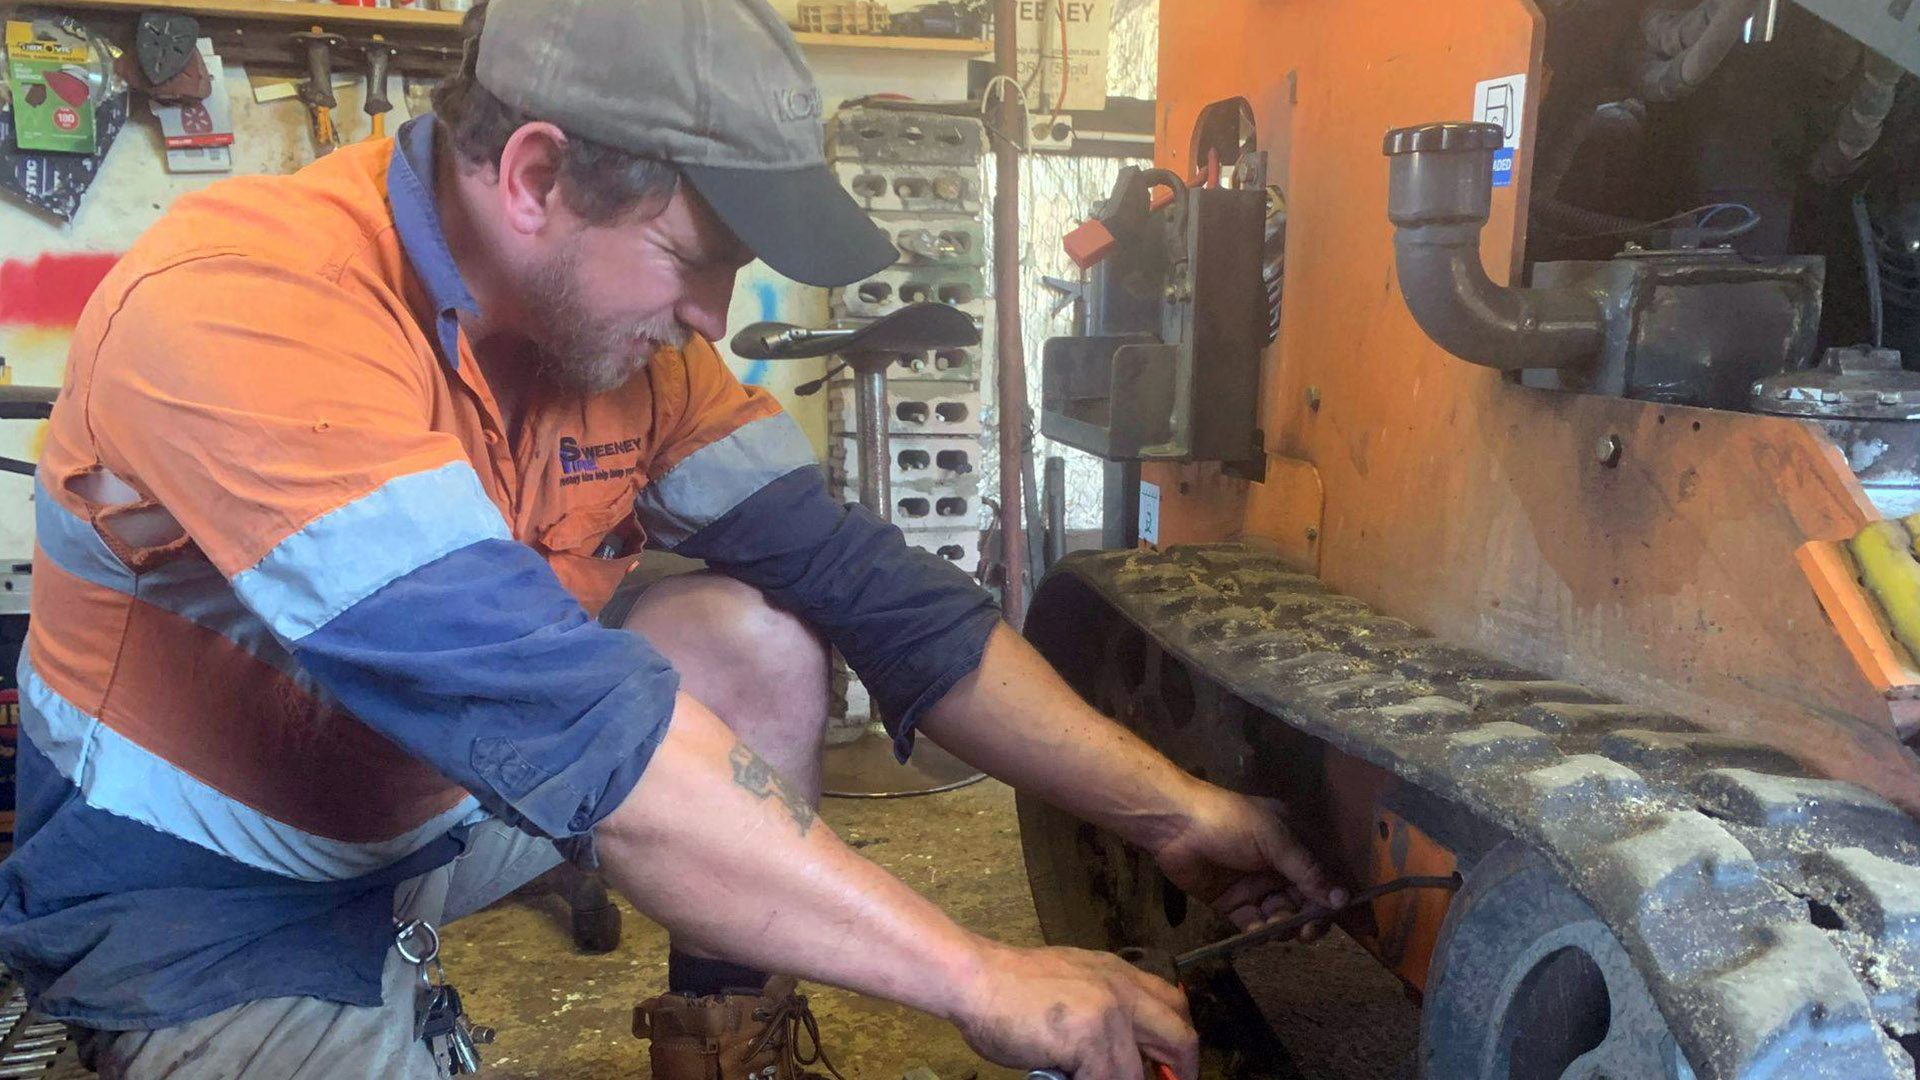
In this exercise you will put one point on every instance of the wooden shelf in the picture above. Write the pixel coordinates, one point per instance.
(290, 11)
(962, 47)
(369, 18)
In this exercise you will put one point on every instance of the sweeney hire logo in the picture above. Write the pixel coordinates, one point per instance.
(582, 464)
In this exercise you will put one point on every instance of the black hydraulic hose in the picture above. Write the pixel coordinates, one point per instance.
(1860, 121)
(1608, 118)
(1580, 221)
(1705, 35)
(1870, 262)
(1672, 31)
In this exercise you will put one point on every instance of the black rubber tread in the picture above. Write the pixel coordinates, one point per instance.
(1775, 916)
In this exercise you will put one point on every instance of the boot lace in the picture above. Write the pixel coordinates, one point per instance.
(785, 1022)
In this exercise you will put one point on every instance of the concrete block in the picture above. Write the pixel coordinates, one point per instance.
(900, 137)
(915, 189)
(913, 408)
(897, 286)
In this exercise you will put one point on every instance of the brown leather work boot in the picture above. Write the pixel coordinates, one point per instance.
(738, 1035)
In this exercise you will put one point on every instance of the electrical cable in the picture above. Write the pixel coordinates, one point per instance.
(1019, 146)
(1062, 101)
(812, 387)
(965, 781)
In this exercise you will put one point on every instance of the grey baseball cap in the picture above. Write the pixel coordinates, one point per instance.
(715, 87)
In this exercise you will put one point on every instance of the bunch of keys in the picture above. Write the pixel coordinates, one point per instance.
(438, 1017)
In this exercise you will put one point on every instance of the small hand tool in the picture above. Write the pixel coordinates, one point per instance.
(1170, 967)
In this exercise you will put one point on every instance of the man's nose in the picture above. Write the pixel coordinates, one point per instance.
(704, 310)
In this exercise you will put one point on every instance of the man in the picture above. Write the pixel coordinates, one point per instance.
(343, 461)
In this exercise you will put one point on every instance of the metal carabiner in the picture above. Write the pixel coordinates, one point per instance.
(404, 934)
(402, 942)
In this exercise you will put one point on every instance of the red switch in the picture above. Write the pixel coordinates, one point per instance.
(1089, 244)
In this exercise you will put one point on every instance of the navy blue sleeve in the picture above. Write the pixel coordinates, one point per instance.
(482, 664)
(909, 622)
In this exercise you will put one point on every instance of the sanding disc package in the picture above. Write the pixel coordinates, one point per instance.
(62, 108)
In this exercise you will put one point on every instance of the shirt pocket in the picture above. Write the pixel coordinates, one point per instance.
(592, 546)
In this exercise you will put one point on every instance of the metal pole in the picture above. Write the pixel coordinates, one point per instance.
(1006, 310)
(1120, 505)
(876, 459)
(1056, 496)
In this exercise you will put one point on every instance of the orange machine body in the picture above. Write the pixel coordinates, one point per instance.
(1478, 509)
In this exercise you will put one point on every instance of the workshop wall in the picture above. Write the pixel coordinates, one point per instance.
(47, 268)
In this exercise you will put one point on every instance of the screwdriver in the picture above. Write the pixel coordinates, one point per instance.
(1168, 966)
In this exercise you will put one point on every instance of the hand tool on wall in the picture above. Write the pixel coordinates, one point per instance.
(379, 54)
(317, 91)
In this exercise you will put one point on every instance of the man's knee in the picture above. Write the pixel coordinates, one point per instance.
(734, 651)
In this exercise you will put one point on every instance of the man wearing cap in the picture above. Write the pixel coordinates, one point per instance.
(344, 462)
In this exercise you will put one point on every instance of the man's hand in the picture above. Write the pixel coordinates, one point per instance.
(1090, 1014)
(1233, 852)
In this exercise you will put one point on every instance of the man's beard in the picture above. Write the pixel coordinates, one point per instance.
(578, 351)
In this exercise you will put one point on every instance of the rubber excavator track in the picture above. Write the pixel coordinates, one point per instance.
(1775, 917)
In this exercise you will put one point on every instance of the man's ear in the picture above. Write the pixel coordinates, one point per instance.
(530, 200)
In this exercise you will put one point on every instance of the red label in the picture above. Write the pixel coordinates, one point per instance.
(65, 119)
(189, 142)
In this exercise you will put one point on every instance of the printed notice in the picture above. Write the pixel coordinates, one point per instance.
(1149, 512)
(1501, 101)
(1066, 41)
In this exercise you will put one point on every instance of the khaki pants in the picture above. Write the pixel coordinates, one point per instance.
(310, 1039)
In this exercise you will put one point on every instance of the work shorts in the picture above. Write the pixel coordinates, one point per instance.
(310, 1039)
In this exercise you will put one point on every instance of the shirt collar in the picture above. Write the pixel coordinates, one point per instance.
(417, 220)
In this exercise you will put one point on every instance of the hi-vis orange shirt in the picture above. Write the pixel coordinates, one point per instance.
(303, 612)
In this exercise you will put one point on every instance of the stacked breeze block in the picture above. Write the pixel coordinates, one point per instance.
(918, 174)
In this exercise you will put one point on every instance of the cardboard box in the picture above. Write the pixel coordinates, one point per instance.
(52, 104)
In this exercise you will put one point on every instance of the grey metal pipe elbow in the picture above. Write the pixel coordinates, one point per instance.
(1439, 194)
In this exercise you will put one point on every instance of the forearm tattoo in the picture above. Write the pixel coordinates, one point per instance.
(752, 772)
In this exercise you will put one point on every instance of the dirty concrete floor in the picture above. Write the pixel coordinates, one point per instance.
(561, 1014)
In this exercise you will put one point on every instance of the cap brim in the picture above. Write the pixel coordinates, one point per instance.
(798, 221)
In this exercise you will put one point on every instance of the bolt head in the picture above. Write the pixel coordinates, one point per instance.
(1312, 534)
(1606, 450)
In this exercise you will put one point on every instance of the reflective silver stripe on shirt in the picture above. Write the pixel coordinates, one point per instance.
(720, 476)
